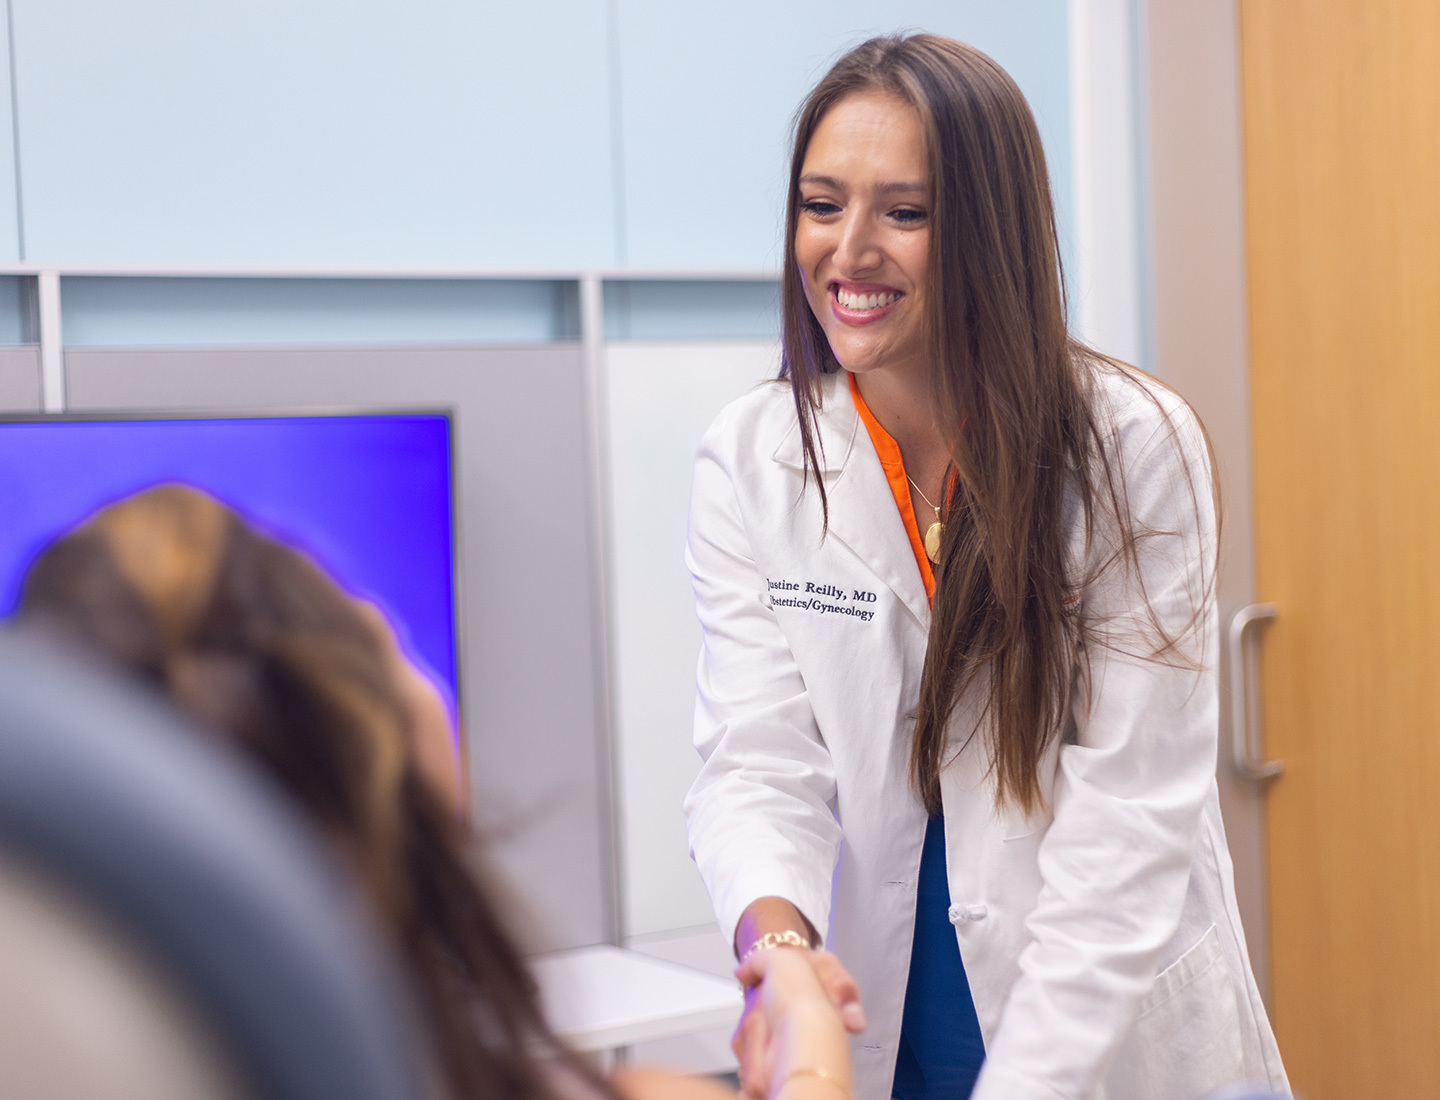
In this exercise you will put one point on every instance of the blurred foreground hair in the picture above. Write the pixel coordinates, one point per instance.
(254, 641)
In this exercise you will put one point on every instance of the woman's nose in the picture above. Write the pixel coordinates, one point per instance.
(857, 250)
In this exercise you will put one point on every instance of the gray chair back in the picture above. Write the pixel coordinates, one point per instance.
(210, 869)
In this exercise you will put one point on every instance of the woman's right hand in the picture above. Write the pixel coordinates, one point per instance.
(799, 1006)
(752, 1034)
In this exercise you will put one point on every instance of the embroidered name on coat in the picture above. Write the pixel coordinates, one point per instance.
(821, 599)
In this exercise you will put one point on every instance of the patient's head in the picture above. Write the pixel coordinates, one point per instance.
(252, 639)
(263, 649)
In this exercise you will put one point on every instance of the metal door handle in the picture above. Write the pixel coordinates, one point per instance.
(1243, 742)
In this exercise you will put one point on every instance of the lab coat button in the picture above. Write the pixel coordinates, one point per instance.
(957, 914)
(976, 912)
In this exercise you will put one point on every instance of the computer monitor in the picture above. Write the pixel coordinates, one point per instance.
(368, 496)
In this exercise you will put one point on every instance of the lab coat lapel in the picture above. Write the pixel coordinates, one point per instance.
(863, 515)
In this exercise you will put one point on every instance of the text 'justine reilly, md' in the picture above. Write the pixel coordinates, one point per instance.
(823, 599)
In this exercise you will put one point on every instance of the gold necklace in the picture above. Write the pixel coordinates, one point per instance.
(935, 531)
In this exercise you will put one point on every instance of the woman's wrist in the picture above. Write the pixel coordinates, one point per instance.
(771, 916)
(787, 938)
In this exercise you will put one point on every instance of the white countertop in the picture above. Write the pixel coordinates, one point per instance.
(603, 997)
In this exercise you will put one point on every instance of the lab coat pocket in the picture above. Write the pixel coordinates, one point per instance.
(1024, 828)
(1185, 1043)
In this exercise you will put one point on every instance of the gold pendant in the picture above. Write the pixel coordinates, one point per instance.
(932, 541)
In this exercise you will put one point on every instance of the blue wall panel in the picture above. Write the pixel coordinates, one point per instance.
(160, 312)
(675, 309)
(16, 293)
(708, 92)
(323, 132)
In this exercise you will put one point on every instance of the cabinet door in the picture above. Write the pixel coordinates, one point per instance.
(1342, 148)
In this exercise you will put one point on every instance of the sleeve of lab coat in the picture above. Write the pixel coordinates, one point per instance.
(1115, 861)
(759, 813)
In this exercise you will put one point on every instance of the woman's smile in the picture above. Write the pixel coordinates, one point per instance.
(862, 303)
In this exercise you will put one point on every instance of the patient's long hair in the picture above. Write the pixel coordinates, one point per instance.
(257, 643)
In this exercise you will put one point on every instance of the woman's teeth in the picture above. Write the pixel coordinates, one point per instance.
(863, 301)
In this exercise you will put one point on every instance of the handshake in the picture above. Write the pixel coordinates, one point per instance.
(792, 1038)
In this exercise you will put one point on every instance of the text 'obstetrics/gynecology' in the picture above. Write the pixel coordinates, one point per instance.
(823, 599)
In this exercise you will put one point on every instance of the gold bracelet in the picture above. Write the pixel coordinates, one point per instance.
(787, 938)
(824, 1074)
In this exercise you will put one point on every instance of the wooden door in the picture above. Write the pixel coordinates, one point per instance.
(1341, 116)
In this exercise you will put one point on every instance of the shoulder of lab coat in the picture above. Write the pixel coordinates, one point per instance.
(760, 812)
(1136, 765)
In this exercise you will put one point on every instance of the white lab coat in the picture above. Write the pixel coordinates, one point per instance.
(1100, 937)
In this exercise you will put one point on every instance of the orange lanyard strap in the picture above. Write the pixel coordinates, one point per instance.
(894, 467)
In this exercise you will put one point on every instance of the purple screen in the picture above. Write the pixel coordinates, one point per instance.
(369, 497)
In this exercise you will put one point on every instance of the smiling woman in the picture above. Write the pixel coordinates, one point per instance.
(993, 795)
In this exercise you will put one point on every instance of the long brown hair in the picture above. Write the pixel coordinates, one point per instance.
(1012, 394)
(257, 643)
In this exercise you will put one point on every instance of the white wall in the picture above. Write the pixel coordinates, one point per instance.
(1109, 276)
(659, 399)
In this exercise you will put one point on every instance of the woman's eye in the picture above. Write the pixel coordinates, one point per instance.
(819, 207)
(909, 215)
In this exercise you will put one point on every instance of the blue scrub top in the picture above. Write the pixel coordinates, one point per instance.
(941, 1048)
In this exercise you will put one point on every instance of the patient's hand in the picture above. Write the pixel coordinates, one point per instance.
(798, 1007)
